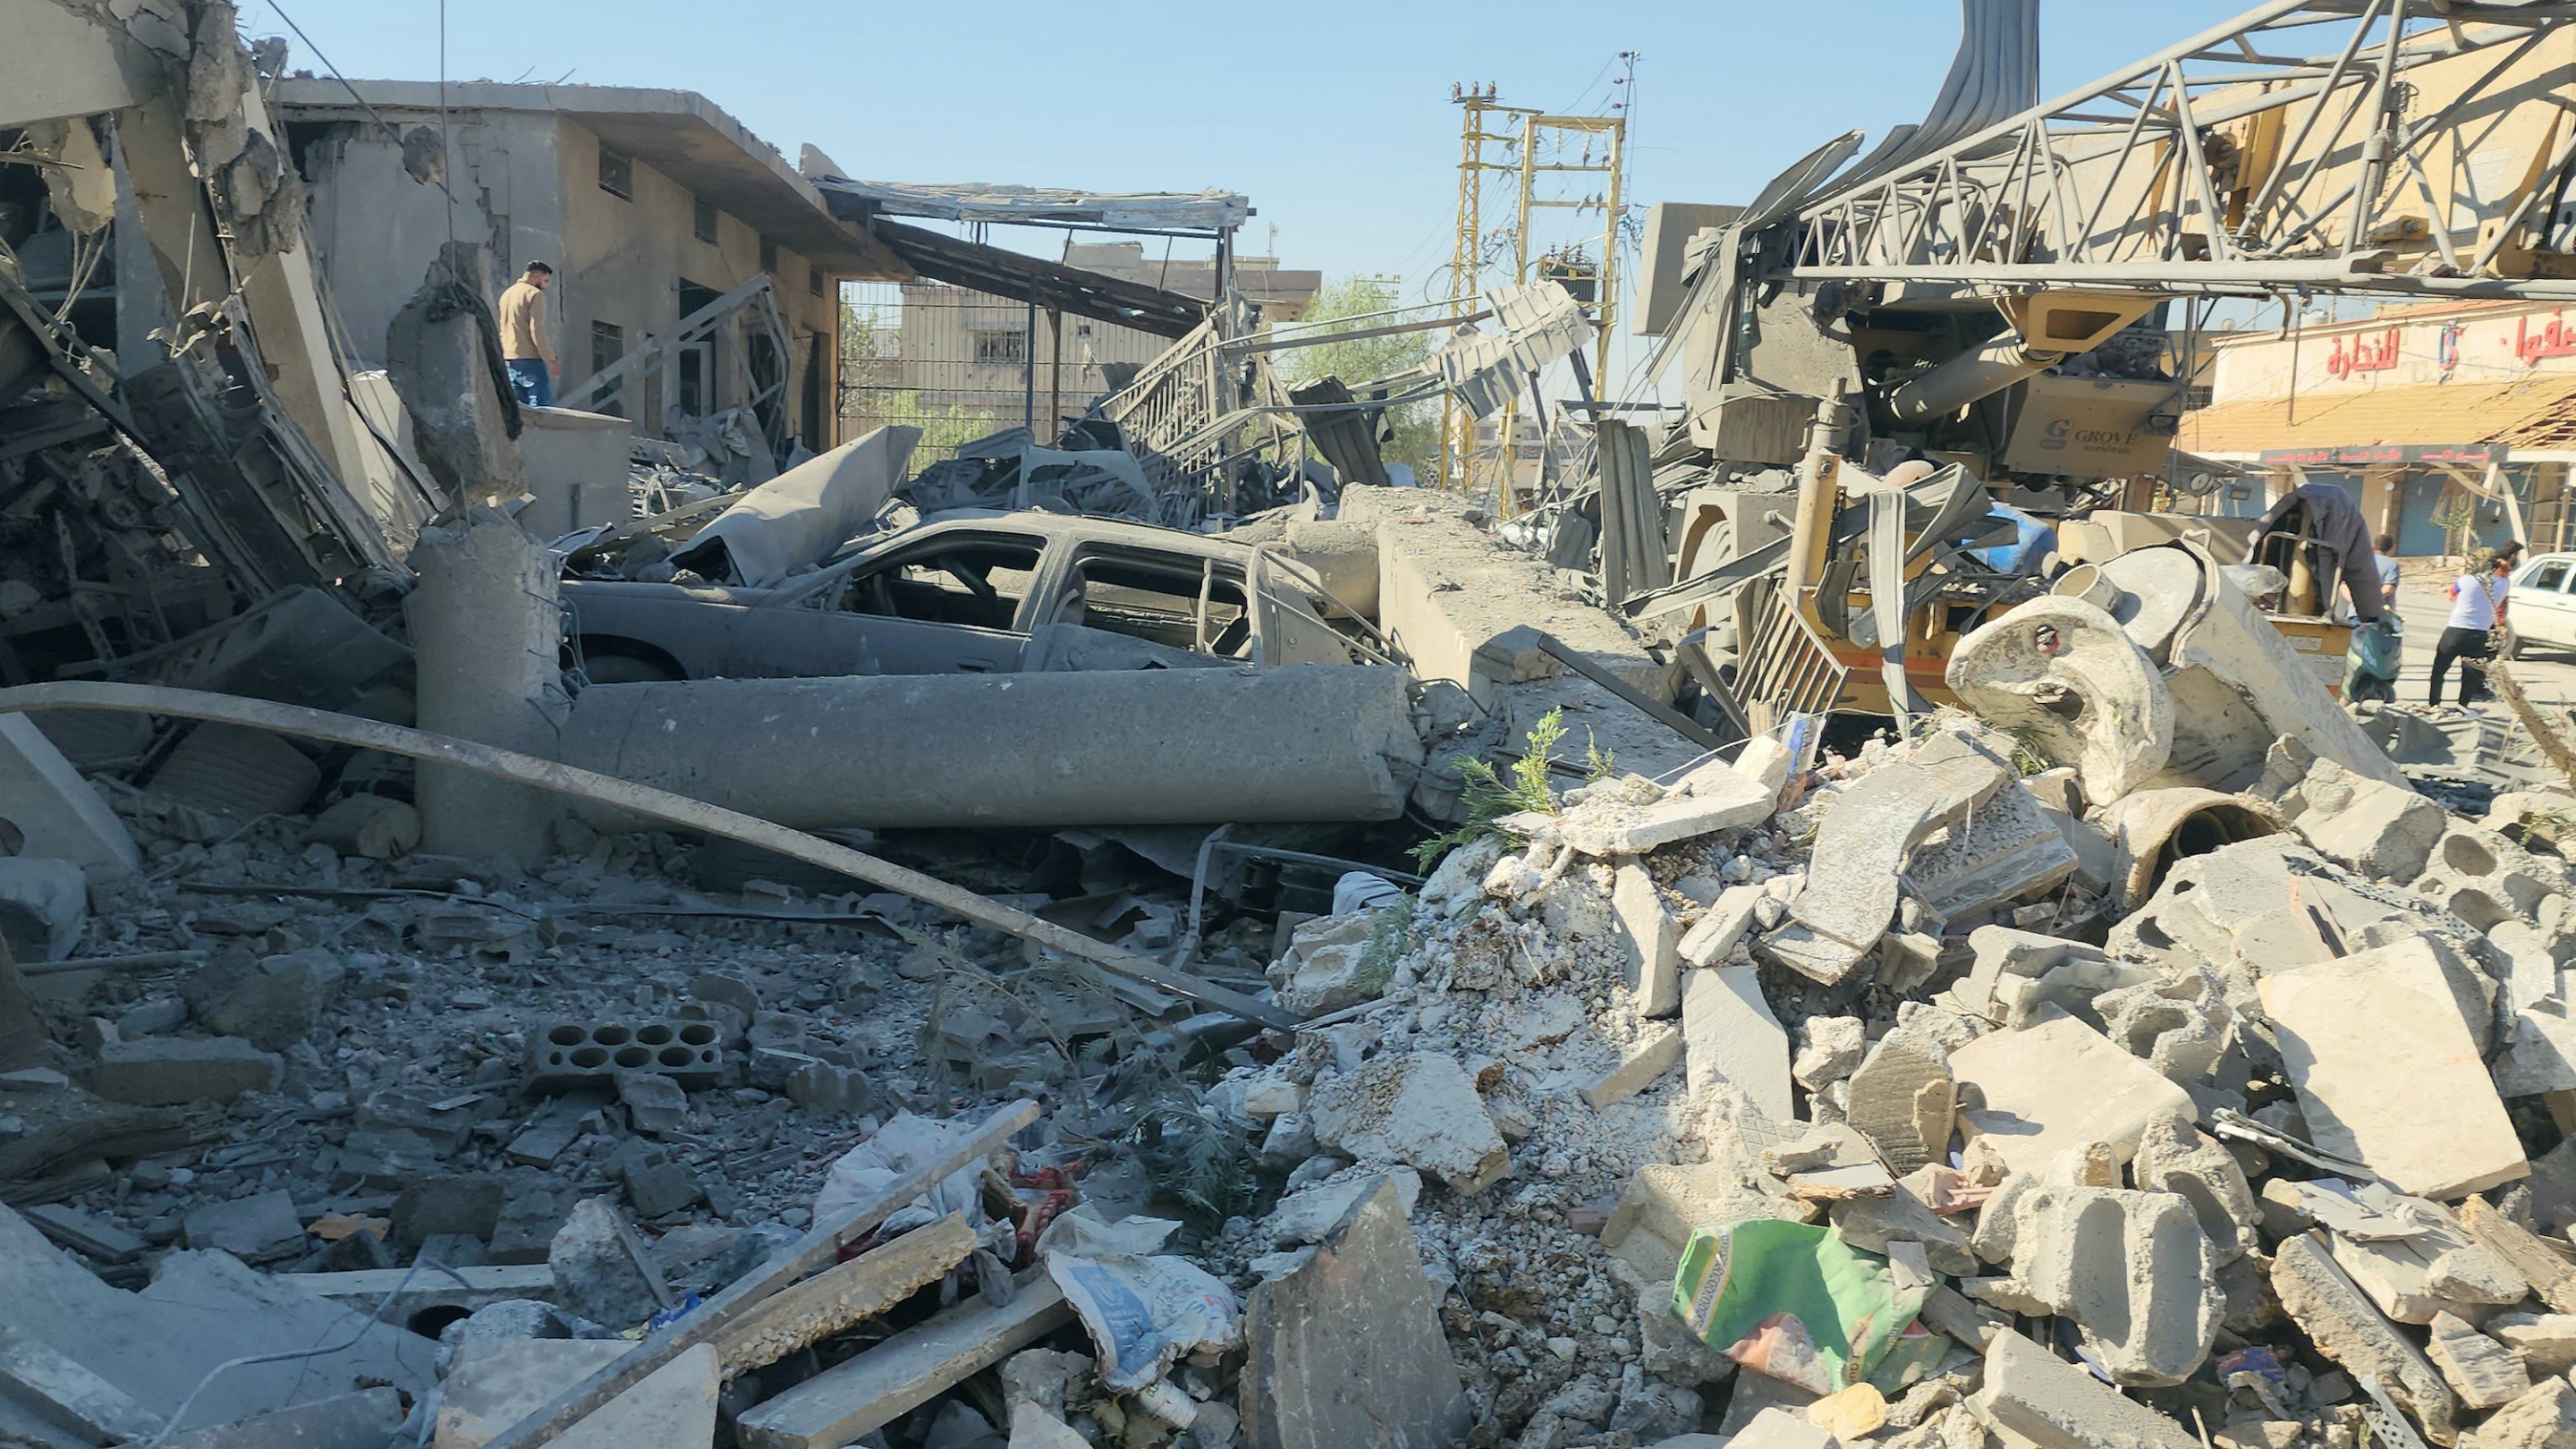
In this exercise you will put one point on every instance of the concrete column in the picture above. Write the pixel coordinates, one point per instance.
(486, 632)
(1122, 747)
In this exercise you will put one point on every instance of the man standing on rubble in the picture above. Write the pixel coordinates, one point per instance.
(525, 344)
(2477, 611)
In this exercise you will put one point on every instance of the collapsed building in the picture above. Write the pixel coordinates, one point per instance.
(1146, 934)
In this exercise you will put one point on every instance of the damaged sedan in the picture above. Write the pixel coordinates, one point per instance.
(1023, 592)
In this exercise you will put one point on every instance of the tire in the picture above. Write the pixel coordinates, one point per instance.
(2511, 649)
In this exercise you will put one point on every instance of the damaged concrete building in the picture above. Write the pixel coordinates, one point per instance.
(1139, 933)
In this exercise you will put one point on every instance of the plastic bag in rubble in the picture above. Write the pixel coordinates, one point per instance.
(1793, 1301)
(900, 1146)
(1358, 890)
(1142, 1309)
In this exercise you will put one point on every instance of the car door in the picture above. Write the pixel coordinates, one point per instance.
(2540, 609)
(951, 602)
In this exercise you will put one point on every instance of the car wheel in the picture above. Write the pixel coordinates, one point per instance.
(2512, 649)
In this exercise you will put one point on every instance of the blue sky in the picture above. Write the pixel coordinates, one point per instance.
(1332, 115)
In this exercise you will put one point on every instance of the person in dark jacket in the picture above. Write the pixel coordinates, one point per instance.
(2338, 546)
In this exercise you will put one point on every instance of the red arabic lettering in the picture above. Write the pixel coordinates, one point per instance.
(2554, 340)
(2367, 355)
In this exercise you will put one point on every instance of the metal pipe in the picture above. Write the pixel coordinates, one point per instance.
(1979, 372)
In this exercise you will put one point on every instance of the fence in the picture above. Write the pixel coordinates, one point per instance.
(959, 364)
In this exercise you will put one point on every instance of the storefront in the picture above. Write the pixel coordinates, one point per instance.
(2448, 425)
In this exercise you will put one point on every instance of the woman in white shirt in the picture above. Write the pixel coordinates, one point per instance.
(2477, 608)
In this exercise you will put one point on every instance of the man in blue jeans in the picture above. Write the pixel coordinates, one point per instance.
(525, 344)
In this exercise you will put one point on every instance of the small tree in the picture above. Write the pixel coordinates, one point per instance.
(2456, 515)
(1364, 359)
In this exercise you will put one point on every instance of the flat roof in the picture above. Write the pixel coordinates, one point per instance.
(681, 134)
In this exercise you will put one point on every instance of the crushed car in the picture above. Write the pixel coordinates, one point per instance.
(985, 593)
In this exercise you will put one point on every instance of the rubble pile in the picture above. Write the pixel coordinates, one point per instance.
(2226, 1153)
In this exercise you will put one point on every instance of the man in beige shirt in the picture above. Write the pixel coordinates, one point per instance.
(525, 344)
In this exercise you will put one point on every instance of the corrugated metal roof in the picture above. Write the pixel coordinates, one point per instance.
(2534, 412)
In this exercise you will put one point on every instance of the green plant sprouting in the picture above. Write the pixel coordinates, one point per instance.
(1491, 795)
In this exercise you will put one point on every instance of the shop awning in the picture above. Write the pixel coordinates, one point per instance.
(2528, 414)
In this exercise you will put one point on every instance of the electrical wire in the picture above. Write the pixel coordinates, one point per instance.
(180, 1414)
(347, 85)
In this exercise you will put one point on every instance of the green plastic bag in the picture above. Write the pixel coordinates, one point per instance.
(1793, 1301)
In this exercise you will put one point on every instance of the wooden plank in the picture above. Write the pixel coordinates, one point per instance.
(839, 1297)
(728, 1309)
(906, 1371)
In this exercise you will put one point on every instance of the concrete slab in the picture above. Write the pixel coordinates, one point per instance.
(1651, 938)
(1730, 1036)
(366, 1419)
(1660, 1053)
(1347, 1349)
(2056, 1085)
(2040, 1398)
(202, 1309)
(1862, 846)
(2367, 1040)
(54, 810)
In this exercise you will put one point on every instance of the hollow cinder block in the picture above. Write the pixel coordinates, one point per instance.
(566, 1054)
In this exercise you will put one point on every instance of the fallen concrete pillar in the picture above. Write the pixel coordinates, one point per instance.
(2237, 683)
(2062, 674)
(642, 801)
(1146, 747)
(1448, 591)
(486, 628)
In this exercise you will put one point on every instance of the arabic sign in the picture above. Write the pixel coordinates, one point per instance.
(2556, 339)
(2381, 454)
(2366, 354)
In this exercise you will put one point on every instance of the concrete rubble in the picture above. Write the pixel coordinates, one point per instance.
(1402, 996)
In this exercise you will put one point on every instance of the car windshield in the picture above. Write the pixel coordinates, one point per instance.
(968, 579)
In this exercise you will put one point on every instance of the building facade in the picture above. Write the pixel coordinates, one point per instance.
(649, 204)
(2449, 423)
(959, 363)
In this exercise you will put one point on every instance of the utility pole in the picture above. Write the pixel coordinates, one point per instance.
(1467, 260)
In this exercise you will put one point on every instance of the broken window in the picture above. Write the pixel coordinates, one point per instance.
(616, 174)
(702, 220)
(1001, 345)
(769, 256)
(978, 581)
(607, 345)
(814, 280)
(1161, 603)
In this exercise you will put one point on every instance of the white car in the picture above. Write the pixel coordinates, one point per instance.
(2541, 610)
